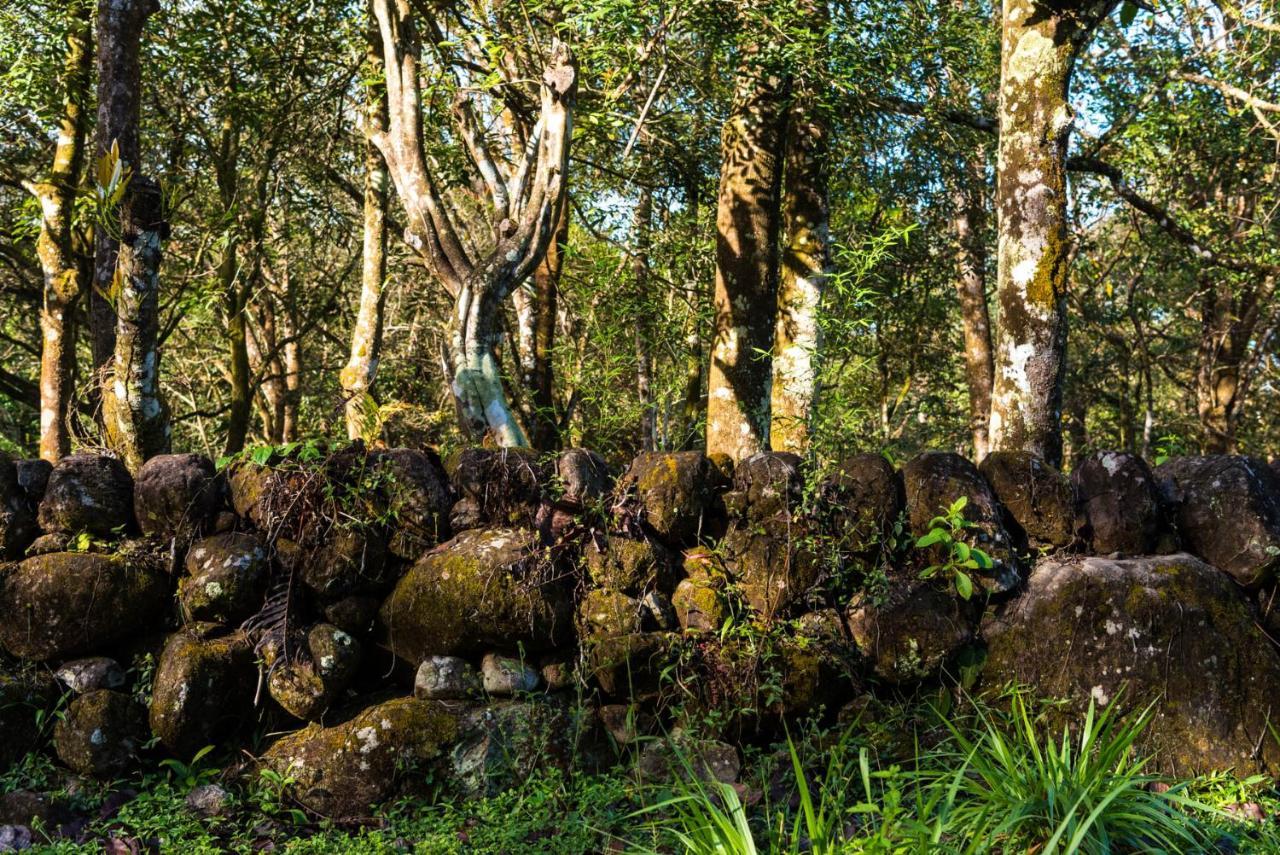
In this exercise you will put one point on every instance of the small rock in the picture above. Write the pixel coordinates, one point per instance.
(355, 614)
(660, 612)
(25, 807)
(666, 759)
(605, 613)
(33, 478)
(1119, 503)
(1037, 499)
(626, 723)
(14, 838)
(557, 674)
(307, 686)
(699, 604)
(17, 519)
(505, 675)
(204, 688)
(86, 675)
(226, 579)
(101, 733)
(446, 678)
(209, 801)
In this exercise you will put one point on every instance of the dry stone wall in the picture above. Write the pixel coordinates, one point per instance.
(393, 613)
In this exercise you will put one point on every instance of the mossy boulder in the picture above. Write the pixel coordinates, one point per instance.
(227, 576)
(354, 615)
(350, 561)
(671, 494)
(343, 772)
(913, 631)
(25, 693)
(204, 688)
(933, 481)
(773, 561)
(17, 521)
(101, 733)
(766, 486)
(1038, 501)
(1169, 629)
(308, 683)
(90, 493)
(700, 603)
(633, 666)
(604, 612)
(65, 603)
(33, 479)
(858, 503)
(1118, 502)
(582, 479)
(631, 565)
(482, 589)
(1228, 512)
(249, 486)
(501, 487)
(176, 495)
(416, 498)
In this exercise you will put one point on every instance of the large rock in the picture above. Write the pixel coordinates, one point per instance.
(227, 576)
(101, 733)
(418, 496)
(90, 493)
(631, 566)
(582, 479)
(176, 495)
(633, 666)
(773, 563)
(766, 486)
(17, 522)
(350, 561)
(1118, 502)
(670, 493)
(65, 603)
(933, 481)
(858, 503)
(483, 589)
(307, 685)
(1228, 512)
(1038, 499)
(604, 612)
(204, 688)
(1165, 628)
(33, 478)
(913, 631)
(342, 772)
(500, 487)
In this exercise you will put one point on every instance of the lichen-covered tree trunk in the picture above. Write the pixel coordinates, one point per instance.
(476, 379)
(1038, 48)
(62, 271)
(358, 376)
(137, 421)
(804, 265)
(643, 225)
(747, 222)
(536, 312)
(971, 287)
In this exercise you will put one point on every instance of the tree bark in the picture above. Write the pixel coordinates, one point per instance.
(971, 288)
(536, 313)
(63, 272)
(643, 225)
(1039, 45)
(804, 267)
(1233, 340)
(746, 290)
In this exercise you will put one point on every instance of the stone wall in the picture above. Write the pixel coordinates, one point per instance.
(392, 612)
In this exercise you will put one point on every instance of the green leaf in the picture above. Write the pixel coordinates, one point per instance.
(261, 454)
(936, 535)
(959, 504)
(961, 551)
(983, 559)
(964, 585)
(1128, 11)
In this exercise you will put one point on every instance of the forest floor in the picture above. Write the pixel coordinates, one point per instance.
(904, 780)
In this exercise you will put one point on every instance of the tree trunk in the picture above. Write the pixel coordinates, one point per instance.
(643, 224)
(137, 420)
(804, 265)
(746, 292)
(366, 338)
(1038, 49)
(476, 379)
(62, 271)
(1218, 368)
(971, 287)
(536, 304)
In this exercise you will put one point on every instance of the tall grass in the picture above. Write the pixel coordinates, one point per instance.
(1000, 781)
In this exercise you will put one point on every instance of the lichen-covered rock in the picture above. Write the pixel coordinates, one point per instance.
(858, 502)
(82, 676)
(176, 495)
(204, 688)
(209, 801)
(351, 561)
(700, 604)
(446, 678)
(65, 603)
(603, 612)
(1228, 512)
(632, 566)
(417, 496)
(497, 487)
(765, 486)
(773, 563)
(249, 486)
(307, 682)
(17, 522)
(355, 614)
(1038, 499)
(913, 632)
(226, 579)
(1169, 629)
(632, 665)
(342, 772)
(483, 589)
(1118, 502)
(24, 694)
(934, 480)
(673, 757)
(33, 479)
(101, 733)
(671, 493)
(507, 675)
(582, 479)
(88, 493)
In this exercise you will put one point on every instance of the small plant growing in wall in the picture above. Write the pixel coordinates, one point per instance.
(944, 532)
